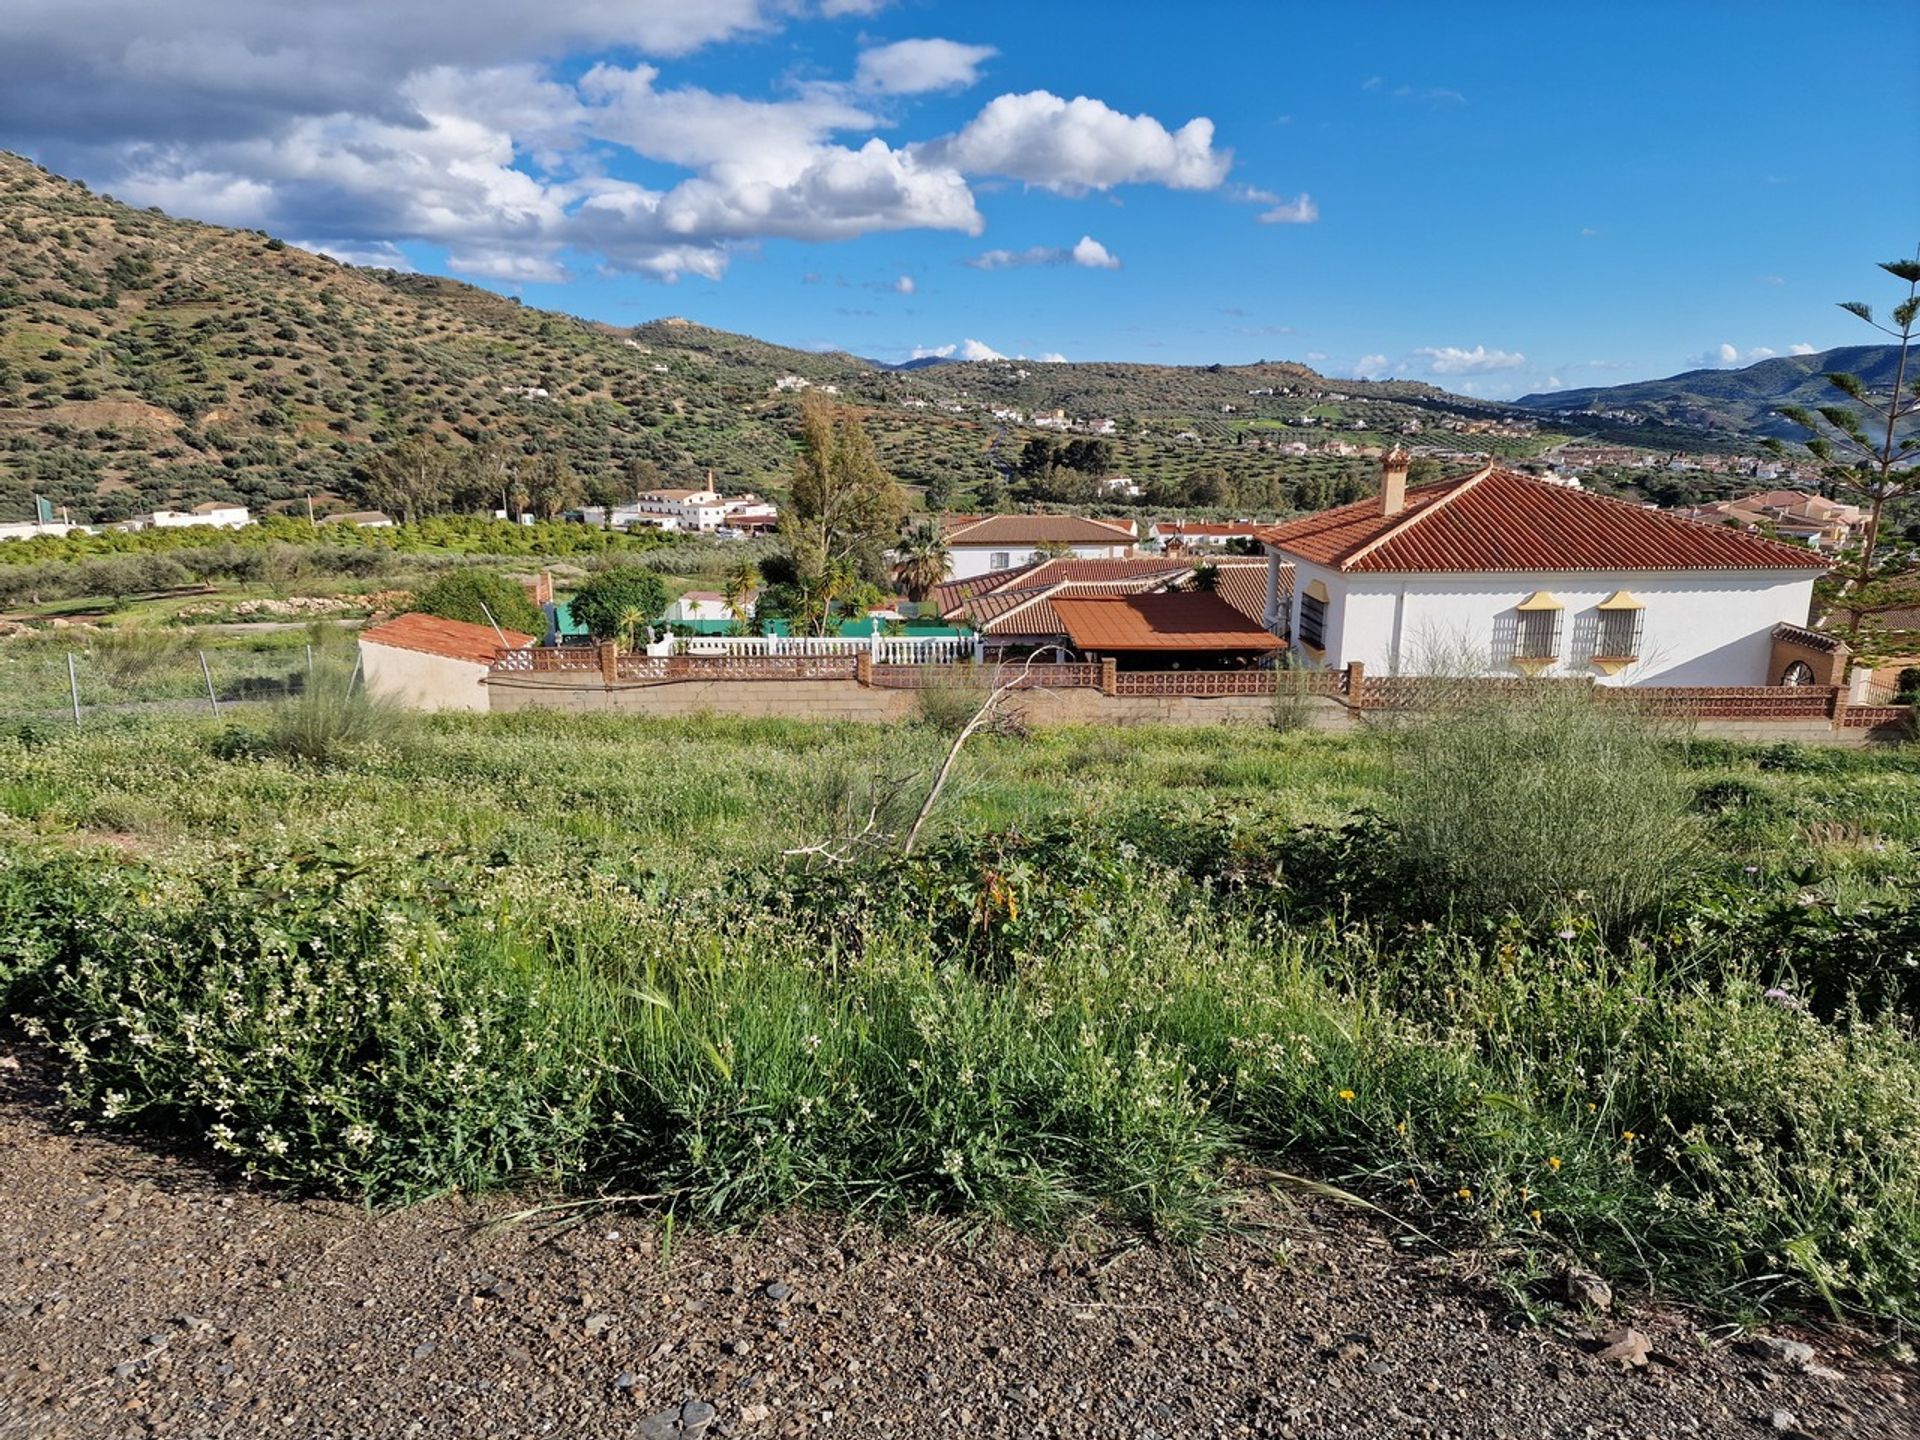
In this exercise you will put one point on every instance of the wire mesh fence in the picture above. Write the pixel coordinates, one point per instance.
(56, 675)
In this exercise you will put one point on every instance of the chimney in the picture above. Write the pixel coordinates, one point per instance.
(1393, 481)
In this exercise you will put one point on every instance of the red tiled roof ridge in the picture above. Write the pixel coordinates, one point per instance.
(451, 639)
(1461, 486)
(1510, 514)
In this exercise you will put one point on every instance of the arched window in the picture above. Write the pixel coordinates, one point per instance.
(1798, 673)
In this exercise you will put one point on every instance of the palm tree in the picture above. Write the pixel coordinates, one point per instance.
(632, 619)
(741, 583)
(921, 561)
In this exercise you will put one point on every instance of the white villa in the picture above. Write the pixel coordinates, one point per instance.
(980, 546)
(213, 512)
(1521, 576)
(694, 511)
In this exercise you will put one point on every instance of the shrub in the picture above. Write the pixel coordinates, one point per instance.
(947, 708)
(619, 602)
(1545, 799)
(332, 716)
(470, 594)
(128, 654)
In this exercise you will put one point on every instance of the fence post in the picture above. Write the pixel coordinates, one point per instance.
(73, 687)
(207, 675)
(609, 661)
(1109, 677)
(979, 647)
(1837, 706)
(1356, 683)
(863, 667)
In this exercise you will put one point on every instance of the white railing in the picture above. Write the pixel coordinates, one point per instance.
(885, 649)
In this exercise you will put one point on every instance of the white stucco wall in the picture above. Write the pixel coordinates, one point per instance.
(421, 681)
(1698, 627)
(966, 561)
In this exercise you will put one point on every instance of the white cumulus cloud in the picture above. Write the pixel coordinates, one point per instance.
(1726, 355)
(917, 67)
(1371, 367)
(1086, 252)
(1801, 348)
(1452, 360)
(904, 285)
(369, 124)
(1077, 145)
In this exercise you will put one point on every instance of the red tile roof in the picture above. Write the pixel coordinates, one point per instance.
(1495, 520)
(949, 595)
(1207, 527)
(953, 596)
(454, 639)
(1030, 610)
(1244, 587)
(1040, 530)
(1178, 620)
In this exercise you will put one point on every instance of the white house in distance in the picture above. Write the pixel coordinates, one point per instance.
(693, 511)
(213, 512)
(701, 605)
(999, 542)
(1520, 576)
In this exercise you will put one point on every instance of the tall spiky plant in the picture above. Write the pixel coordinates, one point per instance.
(921, 560)
(1864, 454)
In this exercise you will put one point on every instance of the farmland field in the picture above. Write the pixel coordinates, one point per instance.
(477, 952)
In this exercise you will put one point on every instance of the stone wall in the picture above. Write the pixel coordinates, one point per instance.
(848, 700)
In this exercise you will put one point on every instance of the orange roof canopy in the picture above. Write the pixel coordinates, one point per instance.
(1184, 620)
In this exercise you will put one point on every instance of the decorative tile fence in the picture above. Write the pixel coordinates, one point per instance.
(1878, 717)
(735, 667)
(882, 649)
(548, 658)
(984, 677)
(1204, 683)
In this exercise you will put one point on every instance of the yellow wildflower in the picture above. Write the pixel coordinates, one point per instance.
(1346, 1095)
(1553, 1162)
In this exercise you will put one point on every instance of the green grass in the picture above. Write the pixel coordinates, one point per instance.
(488, 951)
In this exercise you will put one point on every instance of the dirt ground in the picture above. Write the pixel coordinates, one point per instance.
(141, 1295)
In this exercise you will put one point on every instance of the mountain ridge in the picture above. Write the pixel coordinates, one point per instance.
(1744, 399)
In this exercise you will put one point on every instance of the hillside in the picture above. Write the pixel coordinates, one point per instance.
(147, 361)
(1740, 402)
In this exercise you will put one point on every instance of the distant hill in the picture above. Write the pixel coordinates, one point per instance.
(1735, 402)
(147, 361)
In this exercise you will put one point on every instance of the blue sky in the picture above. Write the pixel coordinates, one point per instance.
(1497, 198)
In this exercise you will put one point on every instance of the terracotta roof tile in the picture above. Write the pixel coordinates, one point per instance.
(454, 639)
(1040, 529)
(1244, 587)
(1179, 620)
(1495, 520)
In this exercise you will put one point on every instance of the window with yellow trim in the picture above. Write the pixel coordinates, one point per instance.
(1619, 633)
(1537, 635)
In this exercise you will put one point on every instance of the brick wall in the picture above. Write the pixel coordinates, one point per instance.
(1826, 656)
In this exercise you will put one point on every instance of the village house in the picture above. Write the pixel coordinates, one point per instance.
(700, 605)
(214, 512)
(1174, 535)
(1814, 520)
(980, 545)
(360, 519)
(426, 663)
(690, 511)
(1511, 575)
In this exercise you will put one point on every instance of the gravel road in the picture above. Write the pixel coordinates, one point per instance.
(141, 1295)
